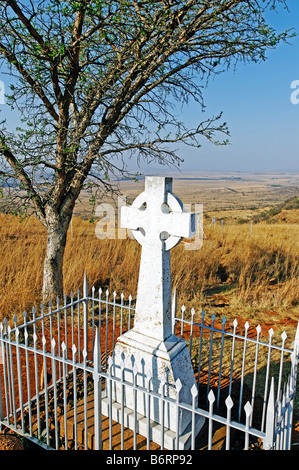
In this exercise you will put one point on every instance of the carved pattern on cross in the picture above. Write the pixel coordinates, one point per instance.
(157, 214)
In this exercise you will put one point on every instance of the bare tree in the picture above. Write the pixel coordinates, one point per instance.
(97, 82)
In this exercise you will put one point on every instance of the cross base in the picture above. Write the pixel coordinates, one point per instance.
(155, 434)
(170, 358)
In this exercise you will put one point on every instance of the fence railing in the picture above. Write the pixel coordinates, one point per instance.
(57, 368)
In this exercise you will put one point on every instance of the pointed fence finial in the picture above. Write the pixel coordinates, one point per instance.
(178, 385)
(97, 351)
(270, 419)
(173, 310)
(194, 391)
(85, 285)
(296, 342)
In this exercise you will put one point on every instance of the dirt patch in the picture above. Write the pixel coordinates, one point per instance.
(9, 442)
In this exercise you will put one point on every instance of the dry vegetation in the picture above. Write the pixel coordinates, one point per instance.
(233, 274)
(236, 274)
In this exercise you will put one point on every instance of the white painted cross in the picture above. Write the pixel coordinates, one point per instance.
(158, 222)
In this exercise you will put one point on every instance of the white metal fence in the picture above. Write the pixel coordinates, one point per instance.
(57, 369)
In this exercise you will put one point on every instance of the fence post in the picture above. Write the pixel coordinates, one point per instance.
(296, 342)
(97, 393)
(85, 314)
(270, 420)
(1, 405)
(173, 310)
(1, 398)
(292, 386)
(289, 417)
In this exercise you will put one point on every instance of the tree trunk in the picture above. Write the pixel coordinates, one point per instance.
(53, 264)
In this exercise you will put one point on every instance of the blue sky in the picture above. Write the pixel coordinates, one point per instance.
(256, 104)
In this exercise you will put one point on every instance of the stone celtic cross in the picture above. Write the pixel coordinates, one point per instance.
(158, 222)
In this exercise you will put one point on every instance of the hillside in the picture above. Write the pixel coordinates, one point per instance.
(235, 273)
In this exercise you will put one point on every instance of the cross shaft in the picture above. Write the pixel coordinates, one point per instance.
(158, 222)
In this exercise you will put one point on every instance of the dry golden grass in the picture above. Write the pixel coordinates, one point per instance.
(232, 274)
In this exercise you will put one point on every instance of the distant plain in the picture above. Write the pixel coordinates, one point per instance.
(248, 267)
(231, 194)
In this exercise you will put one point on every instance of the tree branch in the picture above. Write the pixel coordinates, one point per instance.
(22, 177)
(36, 87)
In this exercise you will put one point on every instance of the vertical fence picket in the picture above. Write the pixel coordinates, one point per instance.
(211, 399)
(100, 316)
(42, 309)
(19, 371)
(200, 347)
(194, 393)
(210, 353)
(84, 354)
(270, 420)
(130, 308)
(135, 372)
(122, 371)
(3, 355)
(1, 391)
(28, 377)
(283, 337)
(229, 404)
(191, 330)
(97, 393)
(3, 362)
(63, 349)
(110, 402)
(6, 365)
(220, 361)
(271, 332)
(46, 389)
(51, 320)
(65, 332)
(78, 324)
(106, 331)
(278, 422)
(248, 413)
(58, 334)
(162, 408)
(53, 344)
(283, 424)
(173, 310)
(100, 305)
(178, 385)
(293, 380)
(85, 315)
(148, 433)
(36, 385)
(74, 351)
(11, 369)
(92, 318)
(289, 415)
(183, 309)
(1, 394)
(72, 317)
(258, 332)
(235, 324)
(246, 326)
(113, 320)
(121, 312)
